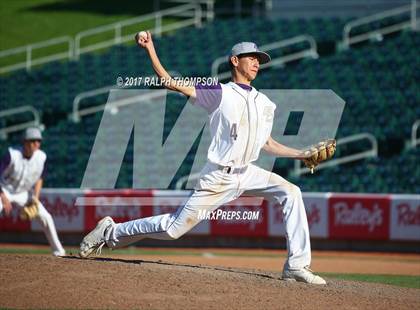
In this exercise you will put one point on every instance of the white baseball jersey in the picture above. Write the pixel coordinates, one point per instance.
(22, 173)
(241, 120)
(18, 175)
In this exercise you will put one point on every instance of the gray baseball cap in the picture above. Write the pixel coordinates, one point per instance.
(32, 133)
(249, 48)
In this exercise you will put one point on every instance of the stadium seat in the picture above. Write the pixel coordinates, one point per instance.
(377, 81)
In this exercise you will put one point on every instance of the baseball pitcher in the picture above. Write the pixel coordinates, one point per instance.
(21, 178)
(240, 119)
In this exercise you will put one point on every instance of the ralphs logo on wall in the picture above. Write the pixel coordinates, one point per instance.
(359, 216)
(405, 217)
(121, 205)
(316, 212)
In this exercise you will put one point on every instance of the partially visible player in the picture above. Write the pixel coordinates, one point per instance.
(21, 177)
(241, 120)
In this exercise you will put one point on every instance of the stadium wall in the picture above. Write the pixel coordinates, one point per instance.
(336, 220)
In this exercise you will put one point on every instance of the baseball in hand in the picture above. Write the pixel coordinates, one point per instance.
(143, 35)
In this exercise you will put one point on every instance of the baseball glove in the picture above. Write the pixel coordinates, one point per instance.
(318, 153)
(30, 210)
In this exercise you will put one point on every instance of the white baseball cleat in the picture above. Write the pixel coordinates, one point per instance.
(95, 240)
(302, 275)
(59, 253)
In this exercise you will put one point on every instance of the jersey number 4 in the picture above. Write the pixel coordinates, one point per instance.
(233, 131)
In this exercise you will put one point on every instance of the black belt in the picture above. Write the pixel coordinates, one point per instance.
(232, 170)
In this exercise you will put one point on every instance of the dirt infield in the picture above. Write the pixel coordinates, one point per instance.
(272, 260)
(42, 281)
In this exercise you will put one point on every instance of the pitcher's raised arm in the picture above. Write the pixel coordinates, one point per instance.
(144, 40)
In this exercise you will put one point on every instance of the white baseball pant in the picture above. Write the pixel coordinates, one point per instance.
(215, 188)
(44, 218)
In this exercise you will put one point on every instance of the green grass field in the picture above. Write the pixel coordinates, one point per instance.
(397, 280)
(28, 21)
(25, 22)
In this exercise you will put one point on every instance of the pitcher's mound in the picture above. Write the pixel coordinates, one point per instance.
(35, 281)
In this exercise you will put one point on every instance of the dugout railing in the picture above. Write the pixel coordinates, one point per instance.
(29, 49)
(409, 10)
(113, 106)
(414, 139)
(191, 15)
(78, 113)
(23, 125)
(208, 4)
(192, 12)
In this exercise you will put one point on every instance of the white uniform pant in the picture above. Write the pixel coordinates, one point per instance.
(214, 189)
(44, 218)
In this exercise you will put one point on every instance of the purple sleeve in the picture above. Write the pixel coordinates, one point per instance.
(208, 96)
(5, 162)
(44, 171)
